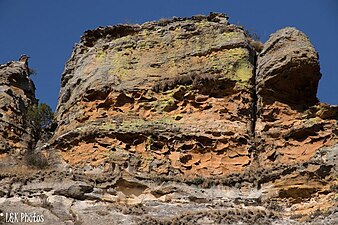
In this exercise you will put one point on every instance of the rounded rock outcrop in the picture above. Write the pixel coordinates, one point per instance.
(288, 69)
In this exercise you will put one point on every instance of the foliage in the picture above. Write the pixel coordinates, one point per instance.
(258, 46)
(198, 180)
(39, 117)
(255, 41)
(163, 21)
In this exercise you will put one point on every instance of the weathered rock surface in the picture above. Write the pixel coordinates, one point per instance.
(287, 69)
(168, 97)
(182, 122)
(72, 197)
(291, 125)
(191, 98)
(17, 92)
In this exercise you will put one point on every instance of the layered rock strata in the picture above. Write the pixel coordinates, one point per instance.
(190, 99)
(182, 122)
(291, 123)
(17, 92)
(169, 97)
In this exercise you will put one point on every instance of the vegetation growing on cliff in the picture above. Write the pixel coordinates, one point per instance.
(39, 117)
(255, 41)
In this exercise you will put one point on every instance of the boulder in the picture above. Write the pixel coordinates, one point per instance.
(288, 69)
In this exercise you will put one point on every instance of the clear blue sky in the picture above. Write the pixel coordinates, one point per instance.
(48, 30)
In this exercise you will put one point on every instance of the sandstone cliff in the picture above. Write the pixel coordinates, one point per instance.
(182, 121)
(168, 97)
(17, 92)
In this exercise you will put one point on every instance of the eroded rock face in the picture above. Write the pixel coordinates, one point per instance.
(17, 92)
(182, 121)
(168, 97)
(291, 125)
(292, 129)
(285, 195)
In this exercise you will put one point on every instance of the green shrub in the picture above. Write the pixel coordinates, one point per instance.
(39, 117)
(197, 180)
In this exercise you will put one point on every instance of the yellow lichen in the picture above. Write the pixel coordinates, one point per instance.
(173, 56)
(100, 55)
(243, 73)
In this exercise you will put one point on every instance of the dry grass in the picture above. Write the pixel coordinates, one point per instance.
(257, 45)
(36, 159)
(19, 170)
(212, 84)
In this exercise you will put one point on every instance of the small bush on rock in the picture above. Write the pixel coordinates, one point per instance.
(255, 41)
(35, 159)
(39, 117)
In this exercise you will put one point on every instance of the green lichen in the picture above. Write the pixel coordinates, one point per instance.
(149, 40)
(202, 24)
(243, 73)
(176, 56)
(133, 125)
(312, 121)
(150, 158)
(227, 36)
(122, 63)
(234, 64)
(100, 55)
(107, 126)
(165, 104)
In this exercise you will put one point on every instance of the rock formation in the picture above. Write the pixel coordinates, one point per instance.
(288, 113)
(17, 92)
(288, 69)
(173, 97)
(182, 121)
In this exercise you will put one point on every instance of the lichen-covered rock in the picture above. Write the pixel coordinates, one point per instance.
(17, 92)
(169, 97)
(169, 114)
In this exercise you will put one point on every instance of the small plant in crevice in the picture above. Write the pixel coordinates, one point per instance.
(164, 21)
(198, 180)
(40, 122)
(254, 40)
(334, 188)
(335, 198)
(45, 203)
(252, 35)
(257, 45)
